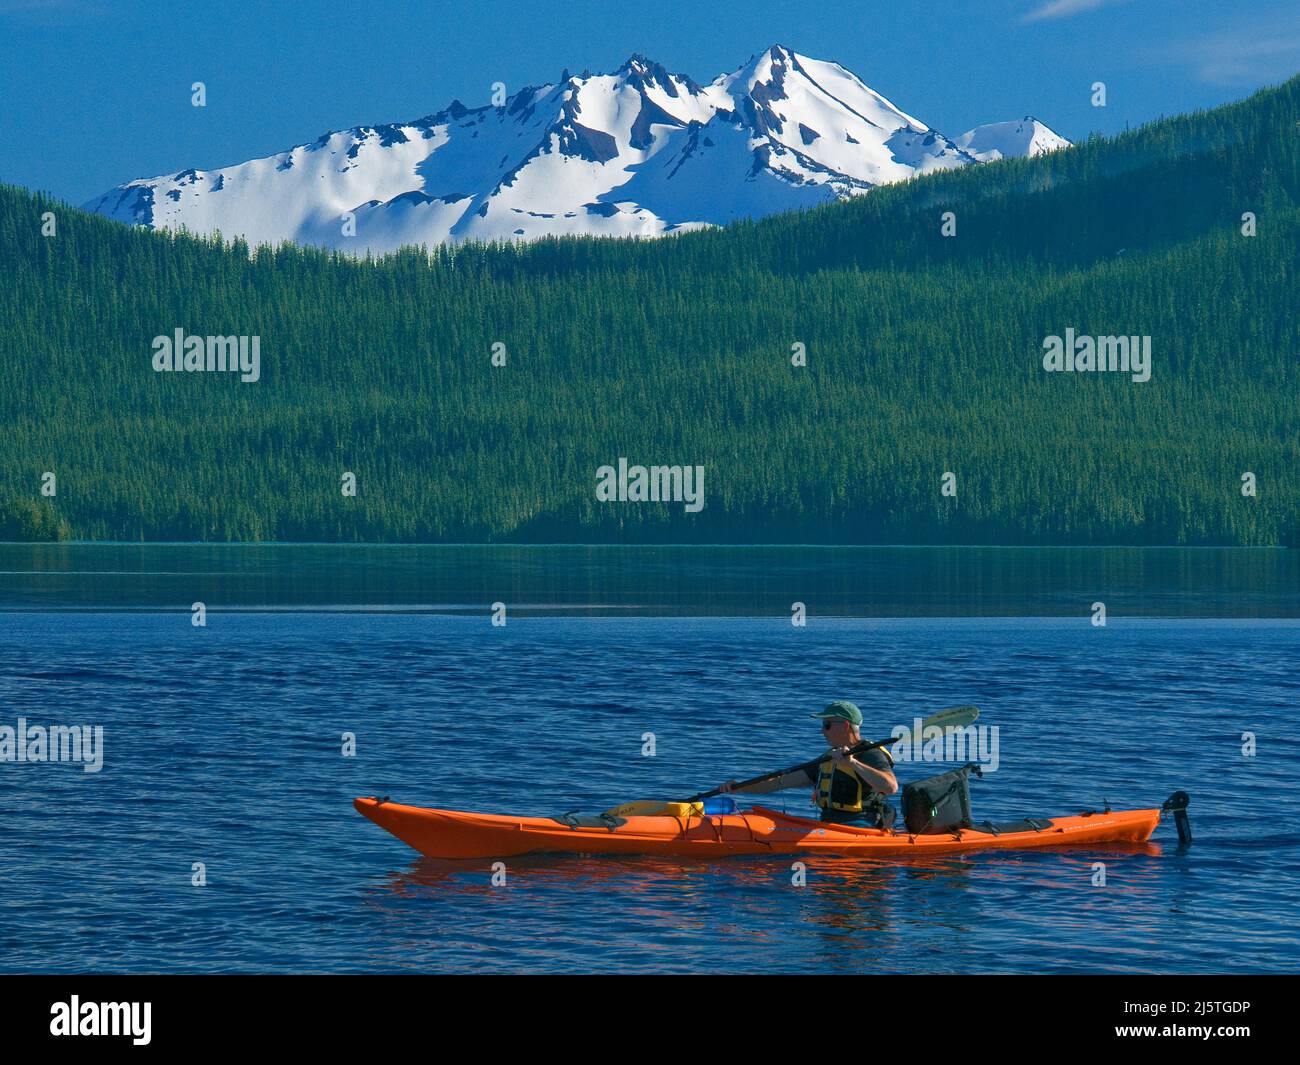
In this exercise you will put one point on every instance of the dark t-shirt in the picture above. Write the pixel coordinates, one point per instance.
(844, 790)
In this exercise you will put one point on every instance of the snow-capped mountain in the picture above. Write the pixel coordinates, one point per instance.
(640, 152)
(1006, 140)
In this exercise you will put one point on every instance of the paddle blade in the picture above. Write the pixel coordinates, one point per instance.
(953, 717)
(656, 808)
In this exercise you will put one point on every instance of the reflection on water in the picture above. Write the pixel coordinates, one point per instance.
(844, 907)
(655, 581)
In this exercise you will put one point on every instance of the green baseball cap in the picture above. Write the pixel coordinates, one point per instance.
(843, 710)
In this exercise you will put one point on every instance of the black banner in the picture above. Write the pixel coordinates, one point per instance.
(365, 1013)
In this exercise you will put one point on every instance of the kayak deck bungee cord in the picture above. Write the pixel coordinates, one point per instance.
(455, 834)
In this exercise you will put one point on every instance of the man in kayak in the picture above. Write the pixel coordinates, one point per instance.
(848, 789)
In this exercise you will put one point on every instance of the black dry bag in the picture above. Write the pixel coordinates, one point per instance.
(939, 804)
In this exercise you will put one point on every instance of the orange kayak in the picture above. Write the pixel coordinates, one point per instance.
(453, 834)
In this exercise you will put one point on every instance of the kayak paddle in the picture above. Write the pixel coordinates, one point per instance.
(953, 717)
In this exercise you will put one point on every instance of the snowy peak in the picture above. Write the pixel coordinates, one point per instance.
(638, 152)
(826, 113)
(782, 75)
(1008, 140)
(646, 74)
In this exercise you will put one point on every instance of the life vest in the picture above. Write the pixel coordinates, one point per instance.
(860, 798)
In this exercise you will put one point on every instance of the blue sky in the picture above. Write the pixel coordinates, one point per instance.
(97, 92)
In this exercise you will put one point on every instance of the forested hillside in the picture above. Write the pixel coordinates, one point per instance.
(924, 357)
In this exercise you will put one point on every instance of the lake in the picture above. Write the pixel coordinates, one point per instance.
(222, 746)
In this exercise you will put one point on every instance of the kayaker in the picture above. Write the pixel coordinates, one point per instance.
(849, 789)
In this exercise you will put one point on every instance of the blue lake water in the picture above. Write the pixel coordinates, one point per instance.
(222, 746)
